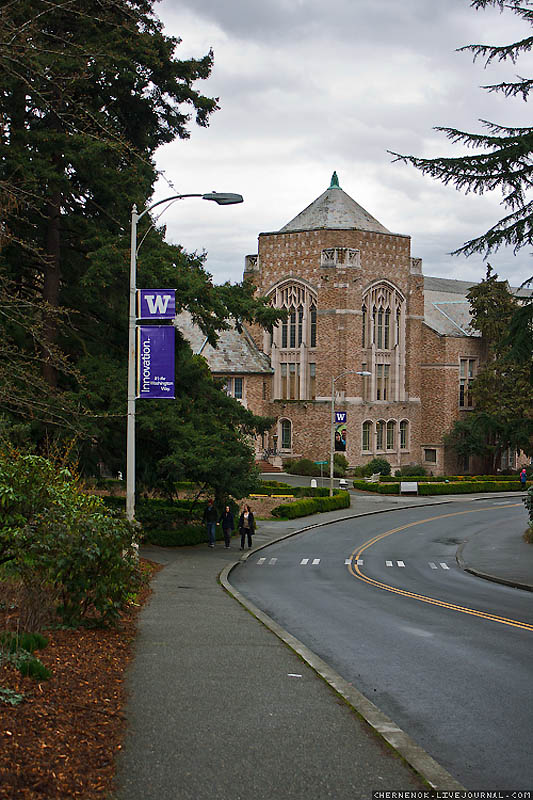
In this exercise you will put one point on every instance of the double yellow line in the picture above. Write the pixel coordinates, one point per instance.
(355, 570)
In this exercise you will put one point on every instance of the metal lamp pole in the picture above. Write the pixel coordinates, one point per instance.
(364, 373)
(223, 199)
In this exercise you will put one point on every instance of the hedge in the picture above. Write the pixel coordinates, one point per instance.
(180, 536)
(450, 478)
(469, 487)
(378, 488)
(312, 505)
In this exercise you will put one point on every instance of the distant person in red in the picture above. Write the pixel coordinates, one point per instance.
(523, 478)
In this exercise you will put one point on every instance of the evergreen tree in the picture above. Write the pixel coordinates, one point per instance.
(503, 415)
(504, 163)
(90, 91)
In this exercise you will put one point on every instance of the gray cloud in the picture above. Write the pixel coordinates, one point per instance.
(306, 88)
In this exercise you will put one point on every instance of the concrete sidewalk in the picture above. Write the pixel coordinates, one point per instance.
(219, 707)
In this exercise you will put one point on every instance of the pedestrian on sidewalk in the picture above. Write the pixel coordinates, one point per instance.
(246, 526)
(228, 523)
(523, 478)
(210, 519)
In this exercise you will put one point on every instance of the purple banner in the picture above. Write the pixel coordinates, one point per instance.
(156, 303)
(155, 361)
(340, 431)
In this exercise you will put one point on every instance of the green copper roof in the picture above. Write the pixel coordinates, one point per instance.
(334, 182)
(334, 210)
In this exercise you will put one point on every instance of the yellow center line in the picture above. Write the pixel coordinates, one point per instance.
(355, 570)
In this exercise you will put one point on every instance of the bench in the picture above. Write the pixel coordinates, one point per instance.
(408, 486)
(373, 478)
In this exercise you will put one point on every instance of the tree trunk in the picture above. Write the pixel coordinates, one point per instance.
(52, 282)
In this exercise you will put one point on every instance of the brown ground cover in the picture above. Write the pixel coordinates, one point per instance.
(61, 741)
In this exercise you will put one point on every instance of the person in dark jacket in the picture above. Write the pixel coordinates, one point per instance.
(228, 523)
(246, 526)
(210, 519)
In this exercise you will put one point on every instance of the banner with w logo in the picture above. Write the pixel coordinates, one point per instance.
(156, 303)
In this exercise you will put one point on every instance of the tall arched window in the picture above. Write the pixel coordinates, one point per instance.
(286, 434)
(380, 435)
(404, 434)
(293, 341)
(391, 435)
(312, 342)
(367, 436)
(383, 325)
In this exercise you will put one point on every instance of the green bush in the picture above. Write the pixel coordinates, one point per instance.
(377, 488)
(468, 487)
(11, 642)
(181, 536)
(302, 508)
(380, 465)
(303, 467)
(55, 536)
(411, 469)
(359, 472)
(33, 668)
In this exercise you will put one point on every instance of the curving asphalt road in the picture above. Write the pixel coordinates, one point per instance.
(445, 654)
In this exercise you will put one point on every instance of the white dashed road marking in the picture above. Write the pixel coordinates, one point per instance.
(316, 561)
(304, 561)
(433, 565)
(401, 563)
(261, 561)
(272, 560)
(443, 565)
(388, 563)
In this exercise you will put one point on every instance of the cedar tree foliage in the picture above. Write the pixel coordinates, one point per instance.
(503, 162)
(89, 92)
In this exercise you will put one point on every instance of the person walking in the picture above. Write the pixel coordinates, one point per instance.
(228, 523)
(523, 478)
(210, 518)
(246, 526)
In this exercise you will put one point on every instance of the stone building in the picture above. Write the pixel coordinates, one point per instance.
(357, 302)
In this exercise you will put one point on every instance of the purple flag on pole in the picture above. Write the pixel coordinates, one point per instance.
(155, 361)
(156, 303)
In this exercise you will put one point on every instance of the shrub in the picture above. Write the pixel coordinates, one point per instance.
(56, 537)
(380, 465)
(340, 464)
(181, 536)
(468, 487)
(302, 508)
(411, 469)
(358, 472)
(18, 650)
(378, 488)
(10, 641)
(304, 467)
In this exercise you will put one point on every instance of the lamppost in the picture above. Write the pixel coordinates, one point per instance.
(362, 372)
(223, 199)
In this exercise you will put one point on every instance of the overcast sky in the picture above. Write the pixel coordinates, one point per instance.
(307, 87)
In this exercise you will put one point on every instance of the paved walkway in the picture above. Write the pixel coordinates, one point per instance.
(219, 707)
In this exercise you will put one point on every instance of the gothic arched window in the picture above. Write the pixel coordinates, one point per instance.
(383, 324)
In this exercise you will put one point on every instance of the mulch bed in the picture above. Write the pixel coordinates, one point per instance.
(61, 742)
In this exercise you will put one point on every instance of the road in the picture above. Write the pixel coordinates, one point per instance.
(446, 655)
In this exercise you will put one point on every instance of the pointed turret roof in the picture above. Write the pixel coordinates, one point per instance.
(334, 209)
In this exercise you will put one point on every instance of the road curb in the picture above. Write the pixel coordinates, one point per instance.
(486, 576)
(425, 765)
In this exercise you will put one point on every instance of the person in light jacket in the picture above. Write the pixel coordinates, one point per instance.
(246, 526)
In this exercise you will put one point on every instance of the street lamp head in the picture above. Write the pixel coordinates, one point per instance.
(223, 198)
(365, 373)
